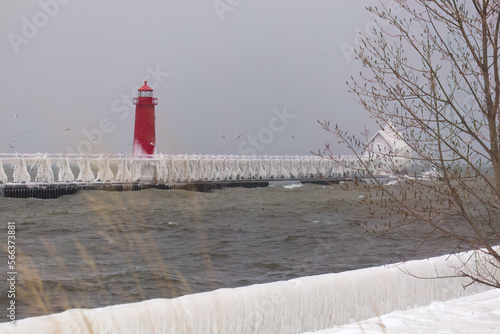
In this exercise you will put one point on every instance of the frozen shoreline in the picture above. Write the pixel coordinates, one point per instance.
(472, 314)
(306, 304)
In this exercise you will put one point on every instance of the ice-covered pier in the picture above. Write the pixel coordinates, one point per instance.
(47, 175)
(52, 168)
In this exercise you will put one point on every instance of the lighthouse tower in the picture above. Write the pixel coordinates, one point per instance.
(144, 130)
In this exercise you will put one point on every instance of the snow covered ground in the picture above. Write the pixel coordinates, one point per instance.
(472, 314)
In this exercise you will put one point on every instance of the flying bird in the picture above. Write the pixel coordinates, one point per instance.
(16, 115)
(238, 136)
(11, 146)
(67, 129)
(224, 113)
(30, 131)
(223, 135)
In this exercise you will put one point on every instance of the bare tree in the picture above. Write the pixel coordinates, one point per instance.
(432, 70)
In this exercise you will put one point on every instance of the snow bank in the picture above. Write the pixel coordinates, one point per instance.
(477, 314)
(295, 306)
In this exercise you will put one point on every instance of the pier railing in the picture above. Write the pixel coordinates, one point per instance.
(60, 167)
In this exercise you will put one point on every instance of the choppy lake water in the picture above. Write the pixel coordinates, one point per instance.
(100, 248)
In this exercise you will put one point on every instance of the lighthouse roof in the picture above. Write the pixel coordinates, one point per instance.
(145, 87)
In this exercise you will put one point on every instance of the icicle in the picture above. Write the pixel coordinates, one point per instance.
(314, 167)
(311, 170)
(108, 173)
(65, 174)
(173, 174)
(179, 165)
(328, 167)
(206, 168)
(254, 166)
(271, 170)
(261, 173)
(136, 170)
(119, 172)
(217, 169)
(209, 167)
(321, 168)
(185, 175)
(302, 172)
(235, 172)
(194, 169)
(162, 168)
(350, 168)
(3, 176)
(293, 171)
(200, 172)
(246, 172)
(44, 171)
(224, 171)
(123, 173)
(282, 171)
(86, 174)
(371, 167)
(337, 170)
(252, 171)
(21, 174)
(104, 174)
(360, 170)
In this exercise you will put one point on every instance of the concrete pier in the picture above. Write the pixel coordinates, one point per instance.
(45, 175)
(57, 189)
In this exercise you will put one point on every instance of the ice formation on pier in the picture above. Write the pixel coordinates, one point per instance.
(104, 174)
(123, 173)
(44, 172)
(65, 173)
(3, 176)
(86, 174)
(175, 168)
(20, 170)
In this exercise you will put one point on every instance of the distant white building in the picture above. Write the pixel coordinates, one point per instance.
(388, 147)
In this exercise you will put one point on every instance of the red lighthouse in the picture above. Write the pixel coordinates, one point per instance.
(144, 130)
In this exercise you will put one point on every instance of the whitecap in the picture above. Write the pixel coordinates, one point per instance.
(293, 186)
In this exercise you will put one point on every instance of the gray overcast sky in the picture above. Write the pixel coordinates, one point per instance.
(259, 73)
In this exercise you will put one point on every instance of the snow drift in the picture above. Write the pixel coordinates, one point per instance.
(295, 306)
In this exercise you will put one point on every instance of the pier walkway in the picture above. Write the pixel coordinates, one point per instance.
(45, 175)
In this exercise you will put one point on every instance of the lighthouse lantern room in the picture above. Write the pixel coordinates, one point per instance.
(144, 129)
